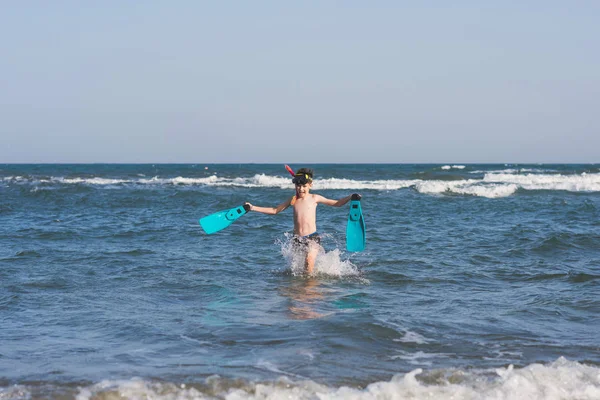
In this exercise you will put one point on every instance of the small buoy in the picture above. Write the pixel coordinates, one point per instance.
(205, 167)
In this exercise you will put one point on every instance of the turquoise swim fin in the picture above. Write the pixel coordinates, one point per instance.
(222, 219)
(355, 229)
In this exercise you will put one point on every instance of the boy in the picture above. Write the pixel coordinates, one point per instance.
(305, 204)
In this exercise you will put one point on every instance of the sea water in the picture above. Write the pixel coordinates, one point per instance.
(477, 282)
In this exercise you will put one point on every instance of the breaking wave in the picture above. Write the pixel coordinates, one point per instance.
(494, 184)
(560, 380)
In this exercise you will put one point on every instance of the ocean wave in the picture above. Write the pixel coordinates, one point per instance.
(447, 167)
(412, 337)
(560, 380)
(515, 171)
(468, 187)
(495, 184)
(573, 183)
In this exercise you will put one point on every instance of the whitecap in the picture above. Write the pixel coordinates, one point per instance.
(447, 167)
(559, 380)
(573, 183)
(412, 337)
(419, 357)
(466, 187)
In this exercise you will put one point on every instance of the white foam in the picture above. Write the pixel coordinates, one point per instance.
(259, 180)
(513, 171)
(560, 380)
(446, 167)
(137, 388)
(494, 184)
(419, 358)
(497, 184)
(349, 184)
(573, 183)
(209, 180)
(470, 187)
(92, 181)
(412, 337)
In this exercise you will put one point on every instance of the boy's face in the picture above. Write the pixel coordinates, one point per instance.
(303, 189)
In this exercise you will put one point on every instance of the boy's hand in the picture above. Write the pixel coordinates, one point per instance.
(355, 196)
(247, 206)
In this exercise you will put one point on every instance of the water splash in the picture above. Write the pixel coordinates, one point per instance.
(328, 263)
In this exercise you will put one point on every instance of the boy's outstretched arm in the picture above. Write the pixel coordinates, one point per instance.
(271, 210)
(337, 203)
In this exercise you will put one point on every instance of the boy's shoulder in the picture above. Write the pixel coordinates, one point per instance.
(316, 197)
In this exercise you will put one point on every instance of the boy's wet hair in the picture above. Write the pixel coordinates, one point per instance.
(303, 176)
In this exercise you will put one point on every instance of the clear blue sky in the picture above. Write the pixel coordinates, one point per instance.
(300, 81)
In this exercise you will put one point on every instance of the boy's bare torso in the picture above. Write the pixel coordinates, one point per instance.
(305, 215)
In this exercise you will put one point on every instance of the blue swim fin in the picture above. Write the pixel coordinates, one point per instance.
(222, 219)
(355, 229)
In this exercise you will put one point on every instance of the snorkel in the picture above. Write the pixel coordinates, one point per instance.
(291, 171)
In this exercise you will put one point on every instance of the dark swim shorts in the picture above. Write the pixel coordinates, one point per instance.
(303, 242)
